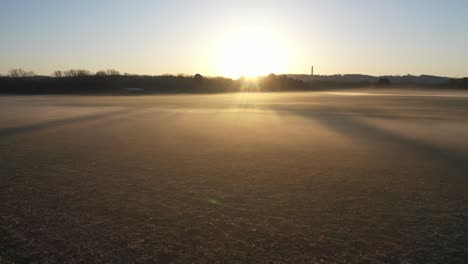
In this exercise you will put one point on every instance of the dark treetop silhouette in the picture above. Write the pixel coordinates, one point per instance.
(80, 81)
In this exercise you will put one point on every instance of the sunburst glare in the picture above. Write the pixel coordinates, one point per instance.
(251, 52)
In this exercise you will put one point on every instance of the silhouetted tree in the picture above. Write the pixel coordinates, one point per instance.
(58, 74)
(198, 77)
(101, 73)
(76, 73)
(383, 82)
(20, 73)
(112, 72)
(274, 82)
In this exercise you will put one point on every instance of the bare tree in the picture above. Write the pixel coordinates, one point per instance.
(76, 73)
(20, 73)
(58, 74)
(113, 72)
(101, 73)
(14, 73)
(110, 72)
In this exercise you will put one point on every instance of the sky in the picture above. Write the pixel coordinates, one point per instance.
(233, 38)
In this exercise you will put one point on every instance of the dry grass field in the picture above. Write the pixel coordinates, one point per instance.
(343, 177)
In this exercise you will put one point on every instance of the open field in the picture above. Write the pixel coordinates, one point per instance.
(352, 177)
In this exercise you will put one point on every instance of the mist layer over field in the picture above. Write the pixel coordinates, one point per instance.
(342, 177)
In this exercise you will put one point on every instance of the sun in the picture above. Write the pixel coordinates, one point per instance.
(250, 53)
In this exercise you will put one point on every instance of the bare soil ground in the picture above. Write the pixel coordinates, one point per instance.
(360, 177)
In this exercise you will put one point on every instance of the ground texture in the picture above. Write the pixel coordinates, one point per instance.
(353, 177)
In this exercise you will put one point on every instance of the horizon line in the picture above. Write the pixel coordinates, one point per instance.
(92, 73)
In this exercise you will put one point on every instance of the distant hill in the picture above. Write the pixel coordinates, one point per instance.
(368, 79)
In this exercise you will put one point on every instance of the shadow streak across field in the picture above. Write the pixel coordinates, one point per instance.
(12, 131)
(349, 125)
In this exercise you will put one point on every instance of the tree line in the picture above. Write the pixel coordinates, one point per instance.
(79, 81)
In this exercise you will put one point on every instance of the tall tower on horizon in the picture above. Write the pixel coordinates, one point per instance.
(312, 71)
